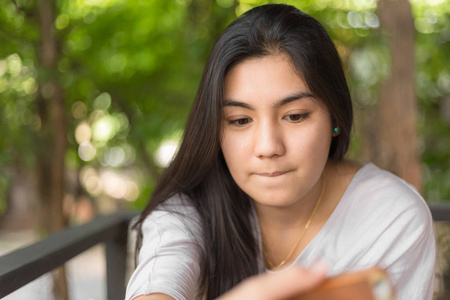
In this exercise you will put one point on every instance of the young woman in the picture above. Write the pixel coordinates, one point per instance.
(260, 184)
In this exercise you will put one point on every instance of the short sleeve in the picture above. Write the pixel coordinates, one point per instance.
(410, 257)
(169, 260)
(397, 232)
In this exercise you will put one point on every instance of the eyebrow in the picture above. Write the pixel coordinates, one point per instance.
(278, 104)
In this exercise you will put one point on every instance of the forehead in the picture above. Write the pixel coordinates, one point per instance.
(263, 79)
(267, 66)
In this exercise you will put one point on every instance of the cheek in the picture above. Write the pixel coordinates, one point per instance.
(315, 144)
(235, 150)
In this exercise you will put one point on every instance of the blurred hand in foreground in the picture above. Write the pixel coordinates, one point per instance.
(280, 285)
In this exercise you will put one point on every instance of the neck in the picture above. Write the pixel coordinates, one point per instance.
(266, 249)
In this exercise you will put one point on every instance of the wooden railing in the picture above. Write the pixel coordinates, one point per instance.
(440, 212)
(26, 264)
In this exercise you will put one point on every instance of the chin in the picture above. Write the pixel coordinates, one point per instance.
(274, 200)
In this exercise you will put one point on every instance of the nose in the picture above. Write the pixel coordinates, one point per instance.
(268, 141)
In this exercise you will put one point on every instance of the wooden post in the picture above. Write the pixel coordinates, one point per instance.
(396, 136)
(116, 263)
(52, 142)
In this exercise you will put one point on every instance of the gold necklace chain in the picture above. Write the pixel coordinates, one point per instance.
(269, 263)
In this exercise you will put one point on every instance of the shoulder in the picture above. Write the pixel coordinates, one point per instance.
(178, 207)
(363, 190)
(176, 215)
(170, 256)
(380, 206)
(173, 226)
(387, 212)
(375, 187)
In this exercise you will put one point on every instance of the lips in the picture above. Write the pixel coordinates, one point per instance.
(272, 174)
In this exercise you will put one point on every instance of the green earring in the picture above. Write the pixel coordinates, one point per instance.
(336, 130)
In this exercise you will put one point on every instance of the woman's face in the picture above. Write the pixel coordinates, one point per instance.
(275, 135)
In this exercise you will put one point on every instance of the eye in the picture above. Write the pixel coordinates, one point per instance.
(239, 122)
(295, 118)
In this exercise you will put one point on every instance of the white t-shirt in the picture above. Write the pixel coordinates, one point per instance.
(380, 220)
(168, 261)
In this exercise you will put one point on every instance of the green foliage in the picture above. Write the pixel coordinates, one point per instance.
(130, 70)
(433, 90)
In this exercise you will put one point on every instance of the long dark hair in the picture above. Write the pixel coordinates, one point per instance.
(198, 171)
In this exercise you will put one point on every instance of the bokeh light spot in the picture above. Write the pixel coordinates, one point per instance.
(102, 102)
(114, 157)
(90, 180)
(29, 86)
(87, 151)
(355, 20)
(225, 3)
(371, 20)
(431, 16)
(79, 110)
(104, 128)
(90, 17)
(132, 191)
(423, 26)
(47, 90)
(114, 186)
(14, 64)
(62, 21)
(83, 133)
(166, 152)
(117, 63)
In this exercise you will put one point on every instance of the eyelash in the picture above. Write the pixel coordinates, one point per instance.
(301, 117)
(237, 122)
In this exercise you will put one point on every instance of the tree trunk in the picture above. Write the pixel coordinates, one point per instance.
(51, 139)
(396, 148)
